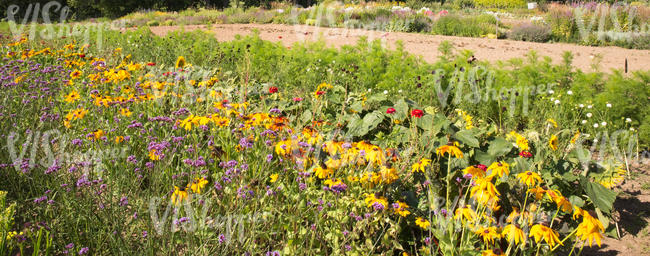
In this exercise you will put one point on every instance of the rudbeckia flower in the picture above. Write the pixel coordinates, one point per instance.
(198, 184)
(539, 232)
(488, 234)
(179, 195)
(180, 62)
(590, 229)
(474, 171)
(421, 165)
(514, 234)
(422, 223)
(529, 178)
(274, 177)
(465, 214)
(553, 142)
(450, 149)
(72, 97)
(498, 169)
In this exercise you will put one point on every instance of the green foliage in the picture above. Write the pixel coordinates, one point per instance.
(530, 32)
(454, 25)
(500, 3)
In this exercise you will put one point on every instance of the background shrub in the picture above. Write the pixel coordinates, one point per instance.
(500, 3)
(530, 32)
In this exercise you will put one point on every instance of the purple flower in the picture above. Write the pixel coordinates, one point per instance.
(83, 251)
(222, 238)
(124, 201)
(144, 234)
(69, 246)
(269, 158)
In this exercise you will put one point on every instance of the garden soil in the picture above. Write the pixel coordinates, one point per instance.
(585, 57)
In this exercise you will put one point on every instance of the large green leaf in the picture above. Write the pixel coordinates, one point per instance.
(499, 147)
(599, 195)
(467, 138)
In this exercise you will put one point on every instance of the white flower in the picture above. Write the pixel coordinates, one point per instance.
(569, 92)
(584, 121)
(551, 91)
(308, 69)
(590, 106)
(581, 105)
(595, 140)
(557, 102)
(596, 125)
(369, 90)
(400, 91)
(609, 105)
(280, 10)
(385, 92)
(631, 128)
(603, 124)
(627, 120)
(589, 114)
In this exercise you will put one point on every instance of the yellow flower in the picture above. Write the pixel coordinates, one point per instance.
(97, 134)
(179, 195)
(75, 74)
(553, 142)
(539, 232)
(575, 137)
(283, 148)
(421, 165)
(198, 184)
(538, 191)
(552, 122)
(465, 214)
(125, 112)
(153, 155)
(72, 97)
(474, 171)
(402, 209)
(488, 234)
(521, 141)
(560, 200)
(274, 177)
(371, 200)
(180, 62)
(498, 169)
(451, 150)
(484, 190)
(513, 234)
(529, 178)
(422, 223)
(494, 252)
(322, 173)
(590, 229)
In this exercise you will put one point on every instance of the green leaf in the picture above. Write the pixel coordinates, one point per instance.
(599, 195)
(467, 138)
(484, 158)
(499, 147)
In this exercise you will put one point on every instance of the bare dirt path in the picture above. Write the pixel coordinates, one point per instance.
(427, 45)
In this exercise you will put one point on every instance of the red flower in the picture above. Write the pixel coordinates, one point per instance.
(151, 64)
(280, 37)
(320, 92)
(390, 110)
(82, 56)
(273, 89)
(417, 113)
(481, 166)
(525, 154)
(297, 99)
